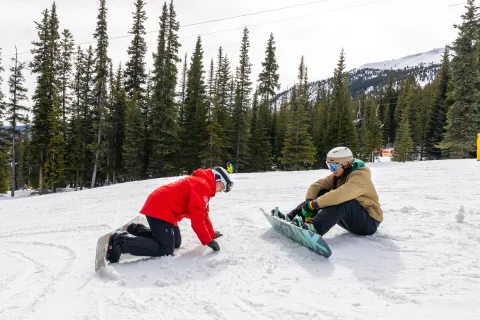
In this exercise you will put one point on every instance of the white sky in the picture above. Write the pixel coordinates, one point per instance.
(381, 31)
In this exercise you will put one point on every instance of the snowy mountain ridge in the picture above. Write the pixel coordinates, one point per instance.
(371, 76)
(431, 57)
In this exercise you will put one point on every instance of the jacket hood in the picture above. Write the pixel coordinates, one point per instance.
(207, 174)
(357, 164)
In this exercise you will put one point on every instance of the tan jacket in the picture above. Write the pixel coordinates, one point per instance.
(357, 185)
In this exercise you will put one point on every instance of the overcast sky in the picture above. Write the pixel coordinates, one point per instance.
(369, 31)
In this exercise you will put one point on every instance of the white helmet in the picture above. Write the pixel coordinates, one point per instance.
(340, 155)
(222, 175)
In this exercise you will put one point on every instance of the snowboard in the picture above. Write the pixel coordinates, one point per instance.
(102, 244)
(308, 239)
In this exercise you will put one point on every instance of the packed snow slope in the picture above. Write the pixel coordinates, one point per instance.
(421, 264)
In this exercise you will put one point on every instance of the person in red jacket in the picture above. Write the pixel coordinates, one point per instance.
(164, 208)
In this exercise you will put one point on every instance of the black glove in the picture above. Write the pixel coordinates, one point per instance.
(217, 234)
(214, 245)
(298, 210)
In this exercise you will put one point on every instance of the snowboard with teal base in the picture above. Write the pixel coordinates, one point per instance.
(308, 239)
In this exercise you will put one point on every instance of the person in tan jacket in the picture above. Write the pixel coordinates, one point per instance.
(347, 197)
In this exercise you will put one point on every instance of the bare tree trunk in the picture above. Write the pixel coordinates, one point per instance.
(97, 153)
(14, 157)
(76, 179)
(99, 139)
(40, 173)
(83, 164)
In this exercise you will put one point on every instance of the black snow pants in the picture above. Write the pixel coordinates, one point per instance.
(158, 240)
(349, 215)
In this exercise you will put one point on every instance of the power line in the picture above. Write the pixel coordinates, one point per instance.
(206, 22)
(265, 23)
(275, 21)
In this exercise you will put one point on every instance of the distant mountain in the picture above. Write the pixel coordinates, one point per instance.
(370, 77)
(424, 59)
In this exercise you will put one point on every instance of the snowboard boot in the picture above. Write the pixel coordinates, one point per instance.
(310, 227)
(132, 227)
(114, 249)
(298, 221)
(278, 214)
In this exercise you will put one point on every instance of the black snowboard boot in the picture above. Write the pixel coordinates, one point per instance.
(114, 250)
(278, 214)
(132, 227)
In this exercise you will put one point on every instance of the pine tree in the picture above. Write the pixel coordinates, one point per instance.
(54, 164)
(136, 77)
(463, 115)
(259, 143)
(119, 104)
(426, 97)
(73, 142)
(387, 109)
(16, 109)
(438, 112)
(344, 132)
(320, 126)
(280, 129)
(87, 102)
(298, 150)
(243, 90)
(374, 136)
(47, 103)
(268, 83)
(132, 147)
(221, 116)
(268, 80)
(2, 96)
(363, 149)
(404, 142)
(101, 70)
(67, 48)
(165, 112)
(135, 72)
(194, 140)
(4, 166)
(43, 68)
(212, 156)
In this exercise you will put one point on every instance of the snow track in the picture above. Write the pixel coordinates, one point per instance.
(421, 264)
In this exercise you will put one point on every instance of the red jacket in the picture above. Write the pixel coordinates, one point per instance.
(185, 198)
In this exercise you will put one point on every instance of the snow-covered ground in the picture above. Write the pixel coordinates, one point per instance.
(421, 264)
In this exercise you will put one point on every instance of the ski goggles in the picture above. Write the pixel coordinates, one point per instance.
(333, 166)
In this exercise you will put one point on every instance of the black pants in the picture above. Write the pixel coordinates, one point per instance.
(349, 215)
(158, 240)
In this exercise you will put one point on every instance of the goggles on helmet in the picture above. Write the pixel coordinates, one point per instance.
(332, 166)
(335, 166)
(229, 183)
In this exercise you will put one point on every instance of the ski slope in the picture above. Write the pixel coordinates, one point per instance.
(421, 264)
